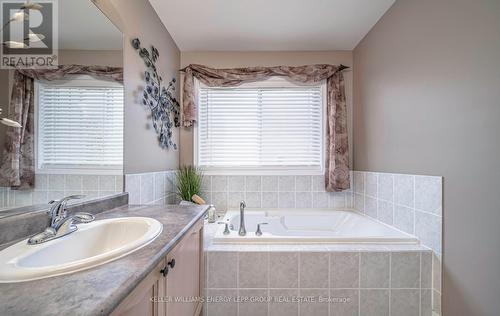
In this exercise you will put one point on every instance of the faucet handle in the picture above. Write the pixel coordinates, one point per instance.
(259, 232)
(57, 209)
(67, 198)
(242, 205)
(64, 200)
(72, 197)
(226, 228)
(83, 217)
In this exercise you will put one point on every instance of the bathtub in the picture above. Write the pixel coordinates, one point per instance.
(309, 226)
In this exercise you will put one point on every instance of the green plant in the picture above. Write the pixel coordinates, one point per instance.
(189, 180)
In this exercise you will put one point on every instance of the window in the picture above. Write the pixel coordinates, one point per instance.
(79, 125)
(271, 126)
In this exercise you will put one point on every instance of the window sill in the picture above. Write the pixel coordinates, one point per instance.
(116, 172)
(262, 172)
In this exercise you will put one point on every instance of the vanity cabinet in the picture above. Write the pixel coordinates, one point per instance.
(174, 287)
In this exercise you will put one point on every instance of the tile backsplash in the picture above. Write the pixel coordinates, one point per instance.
(268, 191)
(151, 187)
(411, 203)
(54, 186)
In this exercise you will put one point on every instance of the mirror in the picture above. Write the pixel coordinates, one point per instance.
(75, 123)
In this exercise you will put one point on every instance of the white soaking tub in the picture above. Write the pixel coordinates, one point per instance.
(309, 226)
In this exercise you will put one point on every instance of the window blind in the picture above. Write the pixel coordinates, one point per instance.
(273, 128)
(80, 126)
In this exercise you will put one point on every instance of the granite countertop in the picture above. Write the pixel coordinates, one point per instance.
(99, 290)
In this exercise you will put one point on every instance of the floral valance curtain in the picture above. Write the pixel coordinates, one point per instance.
(17, 169)
(98, 72)
(337, 162)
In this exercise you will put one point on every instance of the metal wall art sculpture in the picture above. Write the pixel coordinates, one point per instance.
(164, 106)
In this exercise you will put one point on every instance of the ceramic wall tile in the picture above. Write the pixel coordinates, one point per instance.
(56, 182)
(269, 199)
(371, 184)
(344, 270)
(428, 194)
(253, 199)
(405, 270)
(286, 183)
(286, 200)
(219, 183)
(106, 183)
(318, 183)
(269, 184)
(386, 186)
(405, 302)
(283, 269)
(236, 183)
(374, 270)
(253, 183)
(303, 199)
(374, 302)
(303, 183)
(315, 305)
(313, 270)
(253, 269)
(320, 200)
(385, 212)
(404, 190)
(404, 218)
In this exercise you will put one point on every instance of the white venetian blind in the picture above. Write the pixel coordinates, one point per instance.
(261, 128)
(80, 126)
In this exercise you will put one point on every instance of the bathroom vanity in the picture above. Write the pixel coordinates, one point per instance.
(147, 281)
(174, 286)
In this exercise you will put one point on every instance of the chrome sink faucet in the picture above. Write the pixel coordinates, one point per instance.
(242, 231)
(60, 223)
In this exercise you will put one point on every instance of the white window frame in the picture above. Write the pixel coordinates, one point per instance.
(75, 80)
(273, 82)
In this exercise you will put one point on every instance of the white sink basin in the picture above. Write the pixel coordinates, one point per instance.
(91, 245)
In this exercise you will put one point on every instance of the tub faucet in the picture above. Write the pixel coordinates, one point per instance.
(242, 231)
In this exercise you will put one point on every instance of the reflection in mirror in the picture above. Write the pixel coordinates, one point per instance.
(71, 139)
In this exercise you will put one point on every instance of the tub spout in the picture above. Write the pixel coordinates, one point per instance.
(242, 231)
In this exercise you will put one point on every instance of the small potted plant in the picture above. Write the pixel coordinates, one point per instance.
(189, 181)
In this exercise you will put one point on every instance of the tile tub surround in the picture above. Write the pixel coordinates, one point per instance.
(151, 188)
(355, 282)
(411, 203)
(269, 191)
(356, 277)
(99, 290)
(55, 186)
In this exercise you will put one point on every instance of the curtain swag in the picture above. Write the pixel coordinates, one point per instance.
(337, 153)
(98, 72)
(17, 168)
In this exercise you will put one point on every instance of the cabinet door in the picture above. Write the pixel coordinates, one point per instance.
(141, 301)
(183, 280)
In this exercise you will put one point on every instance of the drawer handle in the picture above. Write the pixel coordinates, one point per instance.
(171, 263)
(164, 271)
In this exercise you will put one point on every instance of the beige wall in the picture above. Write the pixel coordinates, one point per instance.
(136, 18)
(112, 58)
(249, 59)
(427, 101)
